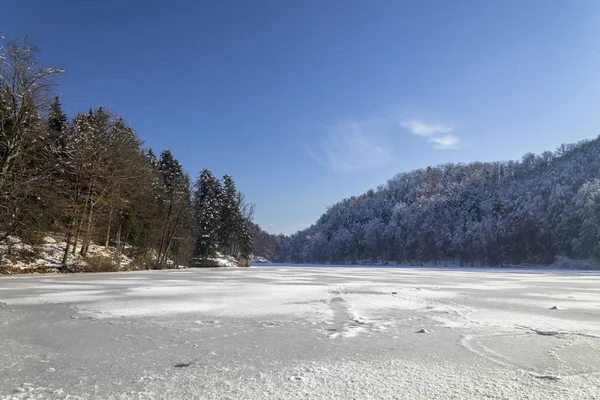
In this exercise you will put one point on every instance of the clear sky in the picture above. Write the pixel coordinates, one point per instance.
(306, 102)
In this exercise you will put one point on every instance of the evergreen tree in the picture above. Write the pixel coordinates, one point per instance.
(207, 209)
(151, 158)
(176, 193)
(171, 171)
(57, 125)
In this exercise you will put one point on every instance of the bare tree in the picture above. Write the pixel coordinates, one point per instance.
(26, 90)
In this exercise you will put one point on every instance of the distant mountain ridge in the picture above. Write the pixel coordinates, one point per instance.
(540, 210)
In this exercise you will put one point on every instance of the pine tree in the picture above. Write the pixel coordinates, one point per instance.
(151, 158)
(171, 171)
(176, 191)
(207, 209)
(57, 126)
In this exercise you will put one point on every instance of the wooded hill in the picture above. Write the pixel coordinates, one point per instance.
(89, 179)
(542, 210)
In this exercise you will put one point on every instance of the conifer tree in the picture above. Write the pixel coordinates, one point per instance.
(57, 125)
(207, 209)
(176, 192)
(151, 158)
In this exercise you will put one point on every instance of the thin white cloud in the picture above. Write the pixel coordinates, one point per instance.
(366, 144)
(354, 146)
(421, 128)
(438, 133)
(447, 142)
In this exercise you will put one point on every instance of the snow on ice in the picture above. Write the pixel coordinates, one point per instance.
(289, 332)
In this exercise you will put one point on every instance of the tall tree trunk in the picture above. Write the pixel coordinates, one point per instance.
(78, 231)
(88, 233)
(68, 240)
(164, 234)
(172, 235)
(128, 239)
(118, 244)
(80, 225)
(106, 243)
(170, 242)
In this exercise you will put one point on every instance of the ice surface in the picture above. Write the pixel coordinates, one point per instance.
(288, 332)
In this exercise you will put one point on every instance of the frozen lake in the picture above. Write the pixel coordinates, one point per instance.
(306, 333)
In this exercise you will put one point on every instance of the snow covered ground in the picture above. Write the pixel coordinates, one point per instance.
(48, 255)
(301, 333)
(17, 257)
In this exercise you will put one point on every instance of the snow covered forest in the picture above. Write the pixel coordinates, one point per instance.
(542, 210)
(89, 180)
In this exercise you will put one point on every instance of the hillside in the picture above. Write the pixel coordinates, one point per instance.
(542, 210)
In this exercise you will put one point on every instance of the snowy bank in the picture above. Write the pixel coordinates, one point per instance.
(17, 257)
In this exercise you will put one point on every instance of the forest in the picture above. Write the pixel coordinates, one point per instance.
(541, 210)
(89, 180)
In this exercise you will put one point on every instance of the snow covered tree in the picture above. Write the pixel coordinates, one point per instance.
(151, 158)
(105, 168)
(265, 244)
(176, 193)
(529, 211)
(206, 206)
(587, 201)
(90, 179)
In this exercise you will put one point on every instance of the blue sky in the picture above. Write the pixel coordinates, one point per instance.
(307, 102)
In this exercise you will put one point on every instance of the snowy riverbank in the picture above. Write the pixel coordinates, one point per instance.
(17, 257)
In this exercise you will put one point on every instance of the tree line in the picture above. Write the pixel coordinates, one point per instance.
(89, 179)
(540, 210)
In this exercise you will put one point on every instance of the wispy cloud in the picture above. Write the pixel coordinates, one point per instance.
(362, 144)
(446, 142)
(421, 128)
(354, 146)
(437, 133)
